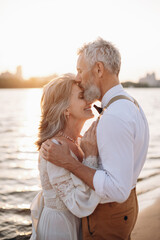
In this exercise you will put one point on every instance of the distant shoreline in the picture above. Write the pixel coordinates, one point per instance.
(36, 84)
(21, 86)
(12, 81)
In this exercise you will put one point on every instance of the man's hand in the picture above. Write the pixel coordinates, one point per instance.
(89, 141)
(60, 156)
(57, 154)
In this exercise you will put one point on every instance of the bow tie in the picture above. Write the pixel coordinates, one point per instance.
(99, 109)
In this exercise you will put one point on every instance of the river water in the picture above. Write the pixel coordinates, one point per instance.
(19, 180)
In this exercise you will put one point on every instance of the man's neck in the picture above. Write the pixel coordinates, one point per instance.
(106, 85)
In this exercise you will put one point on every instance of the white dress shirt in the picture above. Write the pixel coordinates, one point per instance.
(122, 138)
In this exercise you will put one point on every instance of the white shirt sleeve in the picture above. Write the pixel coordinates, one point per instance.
(115, 144)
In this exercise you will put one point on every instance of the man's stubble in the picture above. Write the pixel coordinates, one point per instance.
(91, 91)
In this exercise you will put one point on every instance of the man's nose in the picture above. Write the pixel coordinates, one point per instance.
(78, 79)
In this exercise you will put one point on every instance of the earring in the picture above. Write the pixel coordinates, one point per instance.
(67, 116)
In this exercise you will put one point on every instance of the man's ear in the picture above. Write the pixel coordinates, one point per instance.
(99, 69)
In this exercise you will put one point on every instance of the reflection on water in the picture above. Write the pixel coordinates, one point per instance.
(19, 181)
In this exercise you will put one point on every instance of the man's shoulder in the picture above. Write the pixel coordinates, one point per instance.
(119, 113)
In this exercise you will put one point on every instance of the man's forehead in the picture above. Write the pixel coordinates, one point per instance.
(80, 61)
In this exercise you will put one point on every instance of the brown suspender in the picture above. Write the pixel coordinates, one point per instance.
(120, 97)
(117, 98)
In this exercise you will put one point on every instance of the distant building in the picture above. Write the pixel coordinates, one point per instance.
(150, 80)
(18, 73)
(6, 75)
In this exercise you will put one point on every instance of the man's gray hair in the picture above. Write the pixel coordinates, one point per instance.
(102, 51)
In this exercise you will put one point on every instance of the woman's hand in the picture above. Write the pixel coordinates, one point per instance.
(89, 141)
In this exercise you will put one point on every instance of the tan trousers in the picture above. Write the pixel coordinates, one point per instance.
(112, 221)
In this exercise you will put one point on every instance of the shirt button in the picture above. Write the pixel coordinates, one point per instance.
(125, 218)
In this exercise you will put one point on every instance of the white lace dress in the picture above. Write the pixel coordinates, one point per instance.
(64, 199)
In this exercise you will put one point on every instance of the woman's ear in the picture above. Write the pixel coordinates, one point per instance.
(66, 113)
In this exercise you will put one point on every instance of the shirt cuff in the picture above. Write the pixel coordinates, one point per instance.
(98, 182)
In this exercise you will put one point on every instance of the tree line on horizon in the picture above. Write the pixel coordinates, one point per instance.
(14, 82)
(33, 82)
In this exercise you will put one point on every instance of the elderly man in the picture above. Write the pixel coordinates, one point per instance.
(122, 139)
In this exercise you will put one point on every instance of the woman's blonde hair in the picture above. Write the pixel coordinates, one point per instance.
(55, 100)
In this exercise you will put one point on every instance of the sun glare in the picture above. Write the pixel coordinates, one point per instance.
(43, 36)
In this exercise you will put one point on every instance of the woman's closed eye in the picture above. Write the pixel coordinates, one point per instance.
(81, 95)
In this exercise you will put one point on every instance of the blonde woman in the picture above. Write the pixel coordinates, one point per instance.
(64, 199)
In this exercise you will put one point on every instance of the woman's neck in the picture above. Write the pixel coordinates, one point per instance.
(73, 129)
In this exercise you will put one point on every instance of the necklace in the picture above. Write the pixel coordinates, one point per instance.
(69, 138)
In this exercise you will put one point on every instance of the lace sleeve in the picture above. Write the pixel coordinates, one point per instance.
(74, 193)
(65, 189)
(91, 161)
(77, 196)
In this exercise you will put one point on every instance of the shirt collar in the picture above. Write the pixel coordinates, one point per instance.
(114, 91)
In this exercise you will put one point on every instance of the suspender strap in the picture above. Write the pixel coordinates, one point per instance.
(121, 97)
(117, 98)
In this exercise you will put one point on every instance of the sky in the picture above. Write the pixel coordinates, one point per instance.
(43, 35)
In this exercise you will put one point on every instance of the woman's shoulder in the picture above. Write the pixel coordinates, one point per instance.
(55, 140)
(56, 172)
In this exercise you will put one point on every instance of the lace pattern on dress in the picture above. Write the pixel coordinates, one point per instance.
(61, 178)
(44, 175)
(91, 161)
(55, 203)
(60, 188)
(51, 197)
(65, 189)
